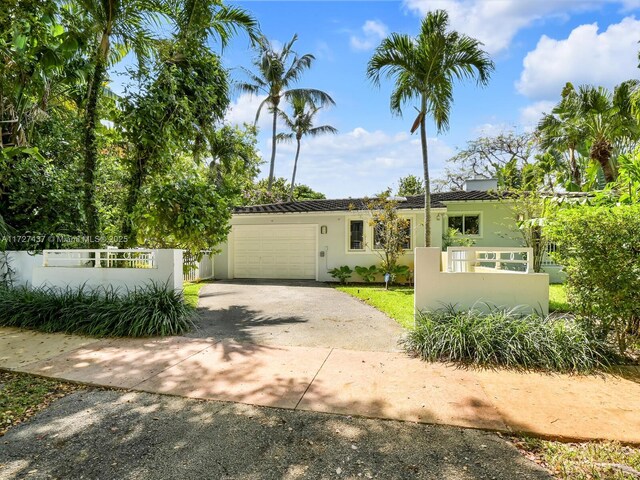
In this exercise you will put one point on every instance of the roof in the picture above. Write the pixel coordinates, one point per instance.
(347, 204)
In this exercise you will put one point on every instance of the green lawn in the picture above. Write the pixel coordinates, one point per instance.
(397, 302)
(192, 291)
(558, 299)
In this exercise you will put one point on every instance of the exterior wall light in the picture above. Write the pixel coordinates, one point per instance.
(323, 229)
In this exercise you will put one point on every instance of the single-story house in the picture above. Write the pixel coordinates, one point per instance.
(306, 239)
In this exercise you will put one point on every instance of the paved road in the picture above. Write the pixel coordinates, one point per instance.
(96, 434)
(299, 314)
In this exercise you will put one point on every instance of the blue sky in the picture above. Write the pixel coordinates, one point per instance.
(537, 46)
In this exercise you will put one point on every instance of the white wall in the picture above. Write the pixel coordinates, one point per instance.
(334, 243)
(435, 289)
(30, 272)
(21, 264)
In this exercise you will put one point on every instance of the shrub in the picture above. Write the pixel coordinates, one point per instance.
(147, 311)
(342, 273)
(508, 339)
(368, 274)
(599, 248)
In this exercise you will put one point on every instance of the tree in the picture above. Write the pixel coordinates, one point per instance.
(391, 234)
(410, 185)
(425, 68)
(259, 193)
(123, 23)
(276, 72)
(599, 121)
(301, 124)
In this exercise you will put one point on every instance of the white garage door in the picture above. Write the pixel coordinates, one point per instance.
(274, 251)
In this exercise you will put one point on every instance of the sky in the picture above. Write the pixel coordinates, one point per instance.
(537, 46)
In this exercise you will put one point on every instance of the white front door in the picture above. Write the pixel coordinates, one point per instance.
(274, 251)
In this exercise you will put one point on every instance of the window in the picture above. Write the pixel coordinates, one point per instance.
(465, 224)
(356, 235)
(378, 236)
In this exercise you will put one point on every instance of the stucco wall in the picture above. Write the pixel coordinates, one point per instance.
(334, 242)
(435, 289)
(497, 223)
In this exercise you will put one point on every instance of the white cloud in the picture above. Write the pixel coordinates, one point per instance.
(359, 162)
(585, 56)
(531, 114)
(496, 22)
(373, 31)
(243, 110)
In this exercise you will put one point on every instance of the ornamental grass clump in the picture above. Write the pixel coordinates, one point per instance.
(104, 312)
(506, 338)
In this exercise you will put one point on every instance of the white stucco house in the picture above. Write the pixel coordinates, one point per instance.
(306, 239)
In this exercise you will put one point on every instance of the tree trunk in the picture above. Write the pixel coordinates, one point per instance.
(573, 165)
(138, 176)
(273, 147)
(425, 166)
(91, 151)
(601, 152)
(295, 167)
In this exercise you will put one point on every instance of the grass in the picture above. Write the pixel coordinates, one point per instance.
(507, 338)
(558, 299)
(191, 292)
(100, 312)
(583, 461)
(397, 302)
(22, 396)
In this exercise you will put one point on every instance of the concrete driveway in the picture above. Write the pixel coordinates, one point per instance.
(292, 313)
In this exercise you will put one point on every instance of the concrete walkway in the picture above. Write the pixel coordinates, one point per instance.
(370, 384)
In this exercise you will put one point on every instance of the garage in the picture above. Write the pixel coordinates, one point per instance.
(274, 251)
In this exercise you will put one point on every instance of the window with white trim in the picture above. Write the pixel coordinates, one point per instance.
(356, 235)
(378, 235)
(466, 224)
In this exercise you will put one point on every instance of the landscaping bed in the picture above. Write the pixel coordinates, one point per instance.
(102, 312)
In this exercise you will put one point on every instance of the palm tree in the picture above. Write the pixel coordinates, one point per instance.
(562, 131)
(301, 124)
(276, 72)
(592, 119)
(425, 68)
(123, 24)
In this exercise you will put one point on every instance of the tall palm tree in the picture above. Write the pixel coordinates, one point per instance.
(118, 26)
(301, 123)
(425, 68)
(276, 72)
(562, 131)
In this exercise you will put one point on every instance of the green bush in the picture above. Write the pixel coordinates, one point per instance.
(368, 274)
(599, 249)
(507, 339)
(342, 273)
(147, 311)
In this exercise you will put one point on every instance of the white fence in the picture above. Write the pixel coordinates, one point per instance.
(480, 278)
(496, 259)
(122, 269)
(195, 270)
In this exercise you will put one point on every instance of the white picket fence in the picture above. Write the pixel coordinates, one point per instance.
(195, 270)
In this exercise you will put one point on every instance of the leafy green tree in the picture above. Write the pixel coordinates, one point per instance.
(301, 124)
(410, 185)
(425, 68)
(259, 193)
(119, 26)
(276, 73)
(598, 120)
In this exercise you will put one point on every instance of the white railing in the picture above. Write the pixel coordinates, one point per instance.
(490, 259)
(547, 261)
(109, 258)
(198, 270)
